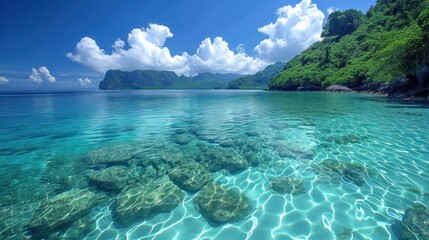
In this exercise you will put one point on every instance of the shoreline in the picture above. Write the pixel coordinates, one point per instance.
(403, 89)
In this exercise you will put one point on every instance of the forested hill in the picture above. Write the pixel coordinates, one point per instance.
(389, 41)
(258, 80)
(150, 79)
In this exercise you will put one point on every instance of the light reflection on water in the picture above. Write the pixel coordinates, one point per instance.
(44, 139)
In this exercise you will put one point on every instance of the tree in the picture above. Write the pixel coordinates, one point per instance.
(342, 23)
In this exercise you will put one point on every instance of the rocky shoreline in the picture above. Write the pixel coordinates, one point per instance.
(404, 88)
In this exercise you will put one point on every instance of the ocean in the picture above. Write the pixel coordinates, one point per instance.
(267, 165)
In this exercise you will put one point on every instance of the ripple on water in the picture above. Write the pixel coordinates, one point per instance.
(201, 165)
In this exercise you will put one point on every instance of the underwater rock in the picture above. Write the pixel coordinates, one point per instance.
(287, 185)
(112, 178)
(217, 158)
(209, 135)
(60, 211)
(77, 230)
(13, 219)
(180, 130)
(353, 177)
(183, 139)
(343, 139)
(249, 143)
(227, 143)
(141, 202)
(143, 175)
(415, 223)
(66, 172)
(165, 159)
(163, 155)
(220, 204)
(251, 157)
(252, 133)
(190, 176)
(290, 149)
(254, 145)
(346, 234)
(112, 154)
(335, 170)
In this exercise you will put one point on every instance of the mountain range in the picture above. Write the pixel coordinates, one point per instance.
(151, 79)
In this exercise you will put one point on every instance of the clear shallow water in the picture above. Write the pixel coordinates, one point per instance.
(44, 139)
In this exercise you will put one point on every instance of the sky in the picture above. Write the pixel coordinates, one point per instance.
(71, 44)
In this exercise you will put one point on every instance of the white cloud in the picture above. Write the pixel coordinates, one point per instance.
(84, 82)
(295, 29)
(240, 48)
(217, 57)
(43, 74)
(331, 10)
(3, 80)
(35, 76)
(146, 51)
(46, 74)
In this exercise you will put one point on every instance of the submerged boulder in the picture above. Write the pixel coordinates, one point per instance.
(334, 171)
(415, 223)
(252, 133)
(141, 202)
(61, 210)
(290, 149)
(217, 158)
(220, 204)
(112, 178)
(353, 176)
(342, 139)
(227, 143)
(209, 135)
(183, 138)
(76, 230)
(288, 185)
(190, 176)
(116, 153)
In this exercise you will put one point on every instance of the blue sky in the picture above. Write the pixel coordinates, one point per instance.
(37, 34)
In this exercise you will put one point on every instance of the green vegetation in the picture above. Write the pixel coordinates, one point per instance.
(258, 80)
(389, 41)
(149, 79)
(342, 23)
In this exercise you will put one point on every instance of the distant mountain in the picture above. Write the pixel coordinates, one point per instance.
(214, 80)
(258, 80)
(150, 79)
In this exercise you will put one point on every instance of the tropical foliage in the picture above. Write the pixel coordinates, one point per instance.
(258, 80)
(390, 40)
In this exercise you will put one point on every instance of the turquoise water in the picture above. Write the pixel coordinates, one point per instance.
(45, 140)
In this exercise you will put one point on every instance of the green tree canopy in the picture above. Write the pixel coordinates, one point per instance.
(342, 23)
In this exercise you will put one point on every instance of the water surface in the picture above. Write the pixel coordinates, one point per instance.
(45, 138)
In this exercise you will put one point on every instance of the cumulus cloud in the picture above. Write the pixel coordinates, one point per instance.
(40, 75)
(35, 76)
(84, 82)
(295, 29)
(215, 56)
(3, 80)
(46, 74)
(240, 48)
(146, 51)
